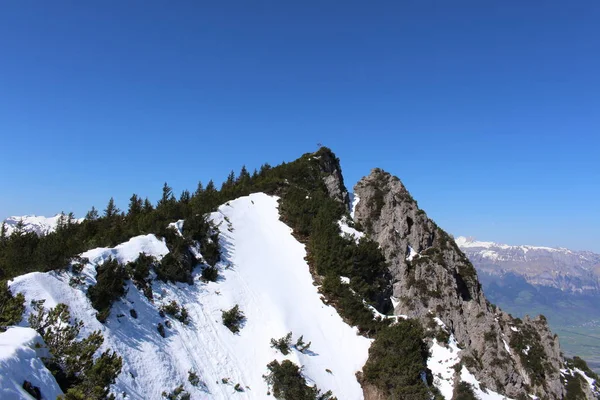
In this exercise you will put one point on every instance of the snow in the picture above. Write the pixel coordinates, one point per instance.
(345, 280)
(21, 350)
(506, 347)
(470, 242)
(354, 199)
(514, 329)
(347, 230)
(411, 254)
(34, 223)
(263, 270)
(488, 394)
(178, 226)
(441, 363)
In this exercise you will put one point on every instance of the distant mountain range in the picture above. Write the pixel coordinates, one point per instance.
(562, 284)
(34, 223)
(560, 268)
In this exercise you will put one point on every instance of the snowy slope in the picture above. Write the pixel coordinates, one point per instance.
(263, 270)
(34, 223)
(20, 352)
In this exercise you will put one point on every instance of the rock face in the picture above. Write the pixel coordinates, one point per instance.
(332, 175)
(431, 275)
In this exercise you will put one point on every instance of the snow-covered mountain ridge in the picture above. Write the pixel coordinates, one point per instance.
(295, 262)
(34, 223)
(263, 271)
(574, 271)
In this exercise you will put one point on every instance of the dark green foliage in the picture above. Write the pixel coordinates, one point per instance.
(173, 309)
(233, 319)
(178, 393)
(574, 387)
(301, 346)
(397, 360)
(161, 329)
(11, 307)
(33, 391)
(464, 391)
(578, 362)
(527, 344)
(283, 344)
(177, 265)
(287, 383)
(442, 336)
(238, 388)
(110, 286)
(351, 307)
(210, 274)
(139, 270)
(72, 362)
(198, 228)
(193, 378)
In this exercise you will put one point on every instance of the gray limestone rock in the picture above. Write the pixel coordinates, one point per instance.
(432, 277)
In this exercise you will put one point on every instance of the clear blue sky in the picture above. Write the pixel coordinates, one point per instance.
(489, 111)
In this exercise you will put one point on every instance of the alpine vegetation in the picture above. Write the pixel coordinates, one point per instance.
(274, 285)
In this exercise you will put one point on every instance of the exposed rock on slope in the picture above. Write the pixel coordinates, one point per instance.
(432, 275)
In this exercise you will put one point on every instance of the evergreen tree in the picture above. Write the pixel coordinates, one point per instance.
(210, 187)
(135, 206)
(147, 208)
(11, 307)
(3, 232)
(92, 215)
(19, 228)
(111, 210)
(199, 189)
(72, 362)
(167, 196)
(185, 197)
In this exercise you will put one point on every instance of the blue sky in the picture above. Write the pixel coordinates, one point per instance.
(488, 111)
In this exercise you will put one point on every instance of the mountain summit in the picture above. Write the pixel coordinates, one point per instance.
(278, 284)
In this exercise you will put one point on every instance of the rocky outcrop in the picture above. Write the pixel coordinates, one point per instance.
(331, 172)
(432, 276)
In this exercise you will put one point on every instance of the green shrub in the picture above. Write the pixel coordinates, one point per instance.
(210, 274)
(79, 374)
(233, 319)
(286, 382)
(178, 393)
(110, 286)
(11, 307)
(193, 378)
(398, 360)
(464, 391)
(283, 344)
(301, 346)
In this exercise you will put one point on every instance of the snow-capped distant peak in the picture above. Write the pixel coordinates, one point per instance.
(34, 223)
(471, 242)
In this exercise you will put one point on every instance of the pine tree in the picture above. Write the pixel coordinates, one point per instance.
(199, 189)
(111, 210)
(11, 307)
(147, 208)
(167, 196)
(185, 197)
(3, 231)
(135, 206)
(92, 215)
